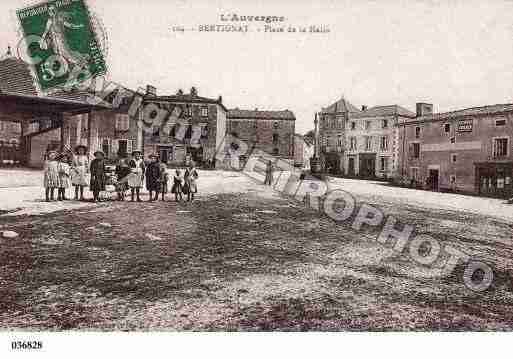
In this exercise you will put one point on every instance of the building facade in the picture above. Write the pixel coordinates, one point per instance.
(303, 151)
(269, 131)
(332, 128)
(196, 127)
(468, 150)
(372, 141)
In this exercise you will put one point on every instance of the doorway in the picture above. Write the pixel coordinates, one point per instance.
(350, 166)
(165, 154)
(433, 180)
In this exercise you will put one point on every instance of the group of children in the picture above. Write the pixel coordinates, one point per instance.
(61, 171)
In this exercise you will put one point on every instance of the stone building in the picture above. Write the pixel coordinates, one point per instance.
(332, 126)
(371, 139)
(61, 120)
(303, 151)
(183, 127)
(269, 131)
(467, 150)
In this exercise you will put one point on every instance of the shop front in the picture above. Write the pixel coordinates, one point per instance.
(494, 179)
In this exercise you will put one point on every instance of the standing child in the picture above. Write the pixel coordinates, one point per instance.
(98, 179)
(122, 173)
(64, 177)
(177, 185)
(164, 178)
(153, 178)
(80, 171)
(51, 175)
(135, 180)
(190, 177)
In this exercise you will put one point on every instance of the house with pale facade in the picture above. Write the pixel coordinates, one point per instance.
(372, 141)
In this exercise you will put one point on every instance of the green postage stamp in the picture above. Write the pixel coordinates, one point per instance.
(61, 43)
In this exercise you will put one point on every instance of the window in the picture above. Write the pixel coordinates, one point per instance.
(123, 148)
(384, 143)
(368, 143)
(352, 144)
(447, 127)
(415, 173)
(384, 124)
(500, 147)
(453, 158)
(500, 122)
(416, 150)
(122, 122)
(276, 124)
(367, 125)
(235, 124)
(417, 132)
(106, 146)
(276, 138)
(383, 164)
(339, 141)
(453, 139)
(204, 111)
(353, 125)
(188, 110)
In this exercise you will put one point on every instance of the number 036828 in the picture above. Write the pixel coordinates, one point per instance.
(26, 345)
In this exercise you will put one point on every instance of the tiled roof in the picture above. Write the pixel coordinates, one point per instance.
(341, 105)
(265, 115)
(15, 77)
(473, 111)
(389, 110)
(187, 98)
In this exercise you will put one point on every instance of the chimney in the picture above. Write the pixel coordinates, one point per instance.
(220, 99)
(364, 107)
(424, 109)
(194, 91)
(151, 90)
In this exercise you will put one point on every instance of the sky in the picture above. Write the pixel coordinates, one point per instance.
(454, 54)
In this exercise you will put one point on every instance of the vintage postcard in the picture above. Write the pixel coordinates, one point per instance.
(239, 166)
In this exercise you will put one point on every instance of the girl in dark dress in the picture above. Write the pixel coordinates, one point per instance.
(177, 185)
(98, 178)
(122, 173)
(153, 178)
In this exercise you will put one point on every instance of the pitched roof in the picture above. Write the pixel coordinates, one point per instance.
(16, 77)
(187, 98)
(389, 110)
(473, 111)
(341, 105)
(262, 115)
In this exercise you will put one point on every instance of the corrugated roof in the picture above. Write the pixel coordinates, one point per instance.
(341, 105)
(16, 77)
(389, 110)
(266, 115)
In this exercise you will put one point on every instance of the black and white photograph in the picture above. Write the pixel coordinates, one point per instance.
(256, 178)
